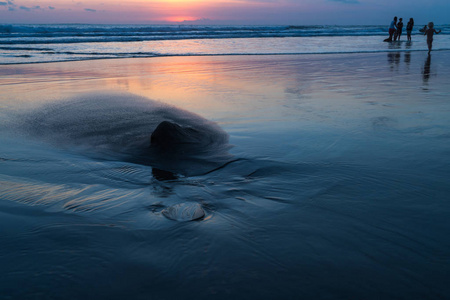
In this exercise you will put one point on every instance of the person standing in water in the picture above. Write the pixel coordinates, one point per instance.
(392, 29)
(398, 33)
(429, 33)
(409, 28)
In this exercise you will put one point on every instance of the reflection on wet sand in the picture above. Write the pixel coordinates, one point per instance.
(394, 59)
(407, 57)
(342, 171)
(426, 70)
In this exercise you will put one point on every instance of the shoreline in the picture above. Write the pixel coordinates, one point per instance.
(232, 54)
(299, 55)
(41, 53)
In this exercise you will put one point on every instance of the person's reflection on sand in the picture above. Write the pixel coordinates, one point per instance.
(394, 56)
(426, 70)
(408, 54)
(393, 59)
(408, 58)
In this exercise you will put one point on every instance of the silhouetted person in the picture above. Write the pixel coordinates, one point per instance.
(409, 28)
(392, 29)
(399, 30)
(429, 33)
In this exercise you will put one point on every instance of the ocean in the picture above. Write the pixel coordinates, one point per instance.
(223, 163)
(50, 43)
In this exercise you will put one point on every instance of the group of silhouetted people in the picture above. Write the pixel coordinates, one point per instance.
(396, 29)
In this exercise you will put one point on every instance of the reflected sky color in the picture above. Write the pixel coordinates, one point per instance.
(342, 169)
(245, 12)
(216, 87)
(200, 84)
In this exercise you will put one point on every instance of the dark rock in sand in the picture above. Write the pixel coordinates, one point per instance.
(171, 137)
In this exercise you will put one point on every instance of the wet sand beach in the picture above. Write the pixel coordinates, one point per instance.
(334, 184)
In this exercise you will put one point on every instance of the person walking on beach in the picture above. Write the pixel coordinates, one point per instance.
(398, 33)
(429, 33)
(409, 28)
(392, 29)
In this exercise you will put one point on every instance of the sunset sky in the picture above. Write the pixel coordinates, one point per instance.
(245, 12)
